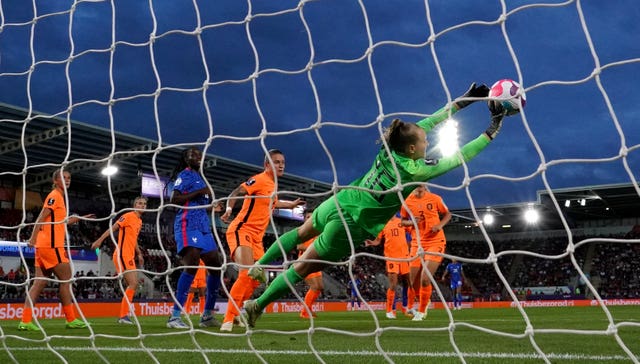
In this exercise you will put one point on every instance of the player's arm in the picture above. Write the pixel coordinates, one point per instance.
(290, 204)
(375, 242)
(473, 94)
(239, 191)
(140, 257)
(425, 171)
(44, 213)
(181, 198)
(444, 220)
(445, 274)
(96, 244)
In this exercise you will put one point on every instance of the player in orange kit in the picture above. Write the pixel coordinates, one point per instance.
(395, 246)
(245, 232)
(430, 215)
(124, 256)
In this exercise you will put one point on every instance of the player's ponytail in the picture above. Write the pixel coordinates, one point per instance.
(400, 135)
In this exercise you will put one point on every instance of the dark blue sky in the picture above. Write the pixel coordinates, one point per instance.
(260, 89)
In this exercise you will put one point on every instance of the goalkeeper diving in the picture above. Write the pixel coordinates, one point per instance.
(370, 201)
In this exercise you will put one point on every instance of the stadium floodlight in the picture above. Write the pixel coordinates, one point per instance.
(488, 219)
(531, 216)
(109, 170)
(448, 138)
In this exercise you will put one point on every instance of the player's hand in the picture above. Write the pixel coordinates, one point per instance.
(473, 92)
(297, 202)
(205, 191)
(497, 115)
(96, 244)
(369, 242)
(226, 217)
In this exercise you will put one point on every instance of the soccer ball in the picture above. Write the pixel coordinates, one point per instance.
(510, 94)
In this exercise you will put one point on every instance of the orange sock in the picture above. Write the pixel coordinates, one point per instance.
(237, 294)
(125, 305)
(391, 296)
(27, 315)
(201, 302)
(69, 312)
(411, 297)
(187, 303)
(249, 290)
(311, 297)
(425, 297)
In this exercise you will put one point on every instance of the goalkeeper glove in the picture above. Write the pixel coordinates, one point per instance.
(473, 91)
(497, 114)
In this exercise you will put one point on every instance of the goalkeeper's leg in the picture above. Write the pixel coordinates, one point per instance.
(286, 243)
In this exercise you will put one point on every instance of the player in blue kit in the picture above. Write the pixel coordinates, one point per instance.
(353, 293)
(194, 238)
(454, 271)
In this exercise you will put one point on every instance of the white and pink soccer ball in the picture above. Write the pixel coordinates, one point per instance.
(510, 94)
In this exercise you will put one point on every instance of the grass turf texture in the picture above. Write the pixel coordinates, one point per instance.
(339, 337)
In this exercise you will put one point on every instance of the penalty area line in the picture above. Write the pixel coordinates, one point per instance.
(426, 354)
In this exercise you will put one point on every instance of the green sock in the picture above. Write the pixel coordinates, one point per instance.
(288, 240)
(279, 287)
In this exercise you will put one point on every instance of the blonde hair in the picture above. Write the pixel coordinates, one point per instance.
(57, 174)
(140, 198)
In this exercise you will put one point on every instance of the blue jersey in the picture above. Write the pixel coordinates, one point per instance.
(352, 286)
(192, 219)
(455, 274)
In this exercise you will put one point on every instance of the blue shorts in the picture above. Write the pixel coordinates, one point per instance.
(456, 284)
(197, 239)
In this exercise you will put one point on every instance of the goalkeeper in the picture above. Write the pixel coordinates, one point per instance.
(370, 201)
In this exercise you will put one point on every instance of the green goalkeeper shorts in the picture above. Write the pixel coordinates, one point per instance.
(333, 242)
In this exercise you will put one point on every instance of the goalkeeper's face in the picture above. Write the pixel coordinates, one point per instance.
(420, 147)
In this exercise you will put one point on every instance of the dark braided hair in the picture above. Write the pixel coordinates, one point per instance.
(182, 164)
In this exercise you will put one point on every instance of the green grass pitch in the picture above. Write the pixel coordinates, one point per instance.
(480, 335)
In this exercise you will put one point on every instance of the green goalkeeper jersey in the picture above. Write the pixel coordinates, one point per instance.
(372, 199)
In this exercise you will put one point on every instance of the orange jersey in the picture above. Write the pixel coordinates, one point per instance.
(52, 234)
(429, 207)
(306, 244)
(129, 226)
(395, 240)
(200, 280)
(257, 206)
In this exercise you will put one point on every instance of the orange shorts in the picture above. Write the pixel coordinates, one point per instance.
(399, 268)
(429, 247)
(47, 258)
(200, 279)
(123, 265)
(241, 238)
(314, 275)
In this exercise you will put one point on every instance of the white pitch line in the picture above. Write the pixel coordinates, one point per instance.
(565, 356)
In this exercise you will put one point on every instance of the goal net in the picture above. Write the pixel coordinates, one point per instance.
(321, 80)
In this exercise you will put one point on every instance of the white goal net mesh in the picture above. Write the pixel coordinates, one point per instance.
(320, 80)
